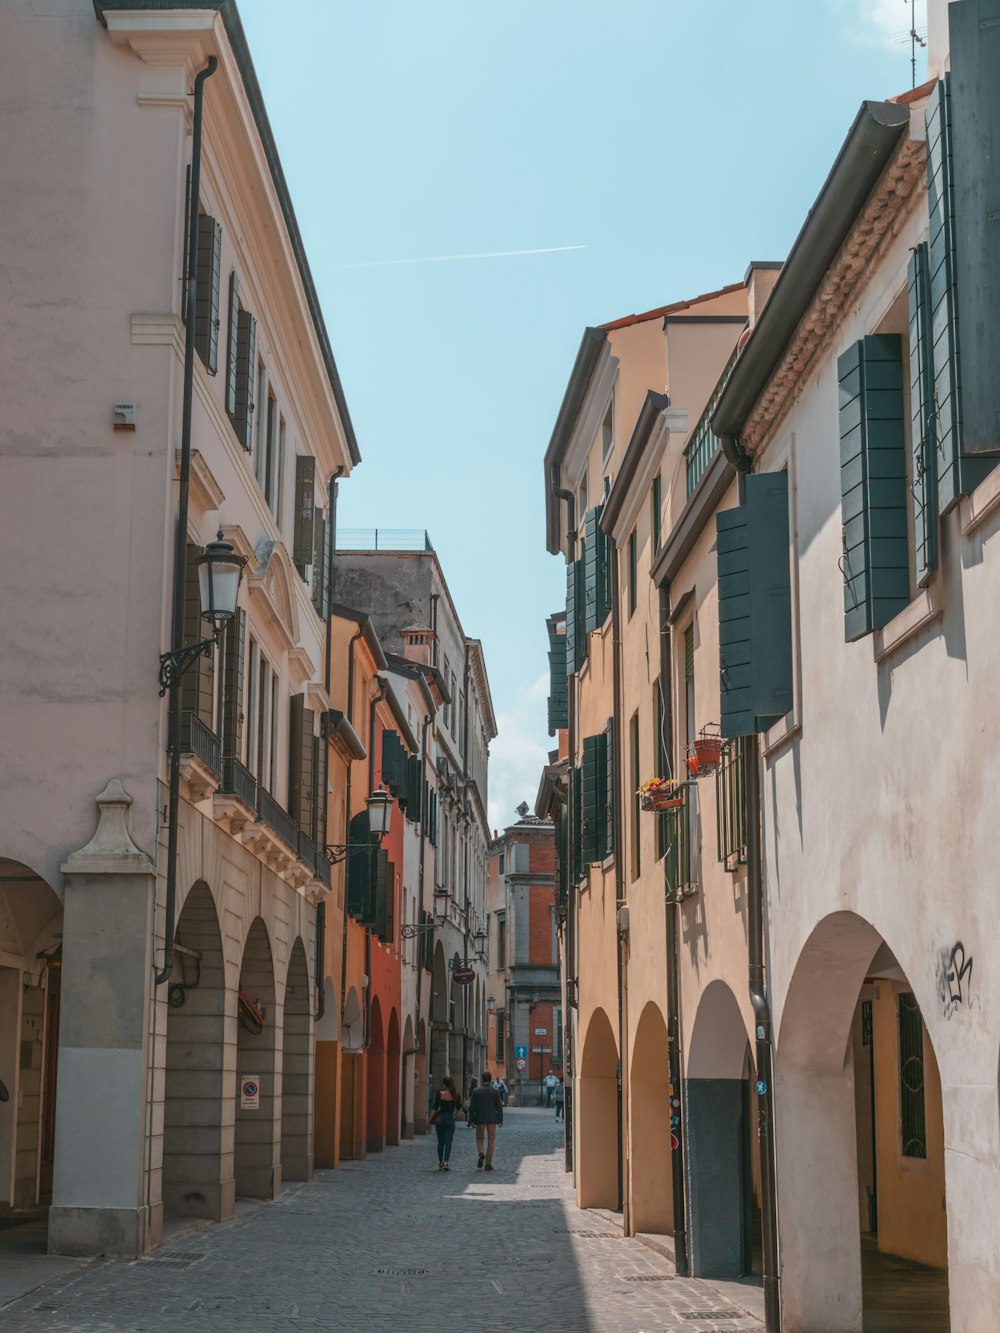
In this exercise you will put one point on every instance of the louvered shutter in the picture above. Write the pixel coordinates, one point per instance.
(319, 563)
(246, 360)
(923, 467)
(302, 765)
(198, 682)
(609, 787)
(232, 685)
(382, 892)
(571, 619)
(975, 146)
(594, 798)
(414, 774)
(305, 511)
(596, 571)
(390, 905)
(359, 866)
(322, 795)
(755, 610)
(558, 702)
(873, 484)
(207, 289)
(576, 826)
(232, 360)
(393, 762)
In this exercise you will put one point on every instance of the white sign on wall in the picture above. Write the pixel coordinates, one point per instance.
(541, 1032)
(250, 1092)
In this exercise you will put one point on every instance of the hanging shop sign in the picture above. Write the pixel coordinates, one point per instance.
(463, 976)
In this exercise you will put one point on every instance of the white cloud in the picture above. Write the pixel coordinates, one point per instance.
(519, 753)
(881, 22)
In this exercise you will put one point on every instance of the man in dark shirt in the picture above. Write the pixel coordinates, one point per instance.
(486, 1113)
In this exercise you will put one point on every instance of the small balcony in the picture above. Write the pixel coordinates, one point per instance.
(279, 821)
(677, 834)
(201, 757)
(235, 801)
(703, 444)
(731, 806)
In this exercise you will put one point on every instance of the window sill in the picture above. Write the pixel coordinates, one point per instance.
(922, 611)
(982, 504)
(781, 734)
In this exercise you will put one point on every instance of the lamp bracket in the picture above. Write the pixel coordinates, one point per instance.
(335, 852)
(174, 665)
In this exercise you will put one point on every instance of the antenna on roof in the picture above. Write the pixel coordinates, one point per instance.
(915, 39)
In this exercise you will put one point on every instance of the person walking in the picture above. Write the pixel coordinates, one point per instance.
(486, 1113)
(559, 1096)
(472, 1087)
(447, 1104)
(550, 1087)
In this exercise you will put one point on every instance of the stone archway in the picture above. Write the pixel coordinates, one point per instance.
(375, 1082)
(326, 1081)
(651, 1195)
(855, 1072)
(717, 1138)
(597, 1116)
(352, 1068)
(296, 1071)
(392, 1081)
(421, 1092)
(409, 1079)
(31, 924)
(258, 1127)
(197, 1137)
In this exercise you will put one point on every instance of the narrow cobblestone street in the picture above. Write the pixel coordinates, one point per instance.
(391, 1243)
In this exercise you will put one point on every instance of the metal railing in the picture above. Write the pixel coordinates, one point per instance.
(307, 850)
(324, 870)
(277, 819)
(200, 740)
(383, 539)
(731, 806)
(702, 446)
(677, 829)
(237, 780)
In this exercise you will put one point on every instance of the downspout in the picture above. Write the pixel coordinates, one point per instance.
(180, 538)
(420, 882)
(572, 905)
(570, 499)
(672, 950)
(434, 630)
(735, 454)
(347, 828)
(320, 963)
(383, 689)
(616, 670)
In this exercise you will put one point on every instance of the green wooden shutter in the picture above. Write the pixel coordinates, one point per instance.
(414, 775)
(198, 682)
(301, 765)
(755, 611)
(393, 762)
(305, 511)
(873, 484)
(207, 288)
(232, 359)
(923, 469)
(594, 798)
(576, 631)
(390, 905)
(359, 867)
(233, 643)
(320, 542)
(596, 572)
(576, 825)
(558, 704)
(246, 364)
(382, 892)
(609, 787)
(975, 144)
(944, 325)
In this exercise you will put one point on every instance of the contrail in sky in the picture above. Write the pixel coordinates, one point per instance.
(444, 259)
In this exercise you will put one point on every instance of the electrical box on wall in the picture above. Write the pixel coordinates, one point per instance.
(123, 416)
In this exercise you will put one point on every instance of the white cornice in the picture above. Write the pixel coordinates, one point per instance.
(671, 427)
(205, 491)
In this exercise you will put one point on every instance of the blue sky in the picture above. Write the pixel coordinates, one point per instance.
(673, 141)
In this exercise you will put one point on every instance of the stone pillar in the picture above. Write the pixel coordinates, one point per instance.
(99, 1203)
(11, 992)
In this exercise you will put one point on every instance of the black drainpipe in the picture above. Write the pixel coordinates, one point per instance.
(672, 942)
(320, 965)
(372, 711)
(180, 539)
(570, 499)
(347, 829)
(421, 951)
(616, 807)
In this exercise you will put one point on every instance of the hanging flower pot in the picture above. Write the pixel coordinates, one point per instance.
(661, 794)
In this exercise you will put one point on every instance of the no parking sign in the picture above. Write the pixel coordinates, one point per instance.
(250, 1092)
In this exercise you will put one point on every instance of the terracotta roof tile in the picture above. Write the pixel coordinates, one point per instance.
(677, 306)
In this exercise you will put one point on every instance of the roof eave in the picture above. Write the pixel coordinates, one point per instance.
(591, 346)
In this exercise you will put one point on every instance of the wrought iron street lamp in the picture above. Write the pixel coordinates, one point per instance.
(491, 1003)
(379, 805)
(441, 914)
(219, 573)
(479, 940)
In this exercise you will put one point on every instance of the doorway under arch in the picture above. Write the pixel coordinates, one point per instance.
(860, 1133)
(408, 1078)
(198, 1176)
(392, 1081)
(651, 1195)
(375, 1082)
(297, 1071)
(597, 1116)
(258, 1128)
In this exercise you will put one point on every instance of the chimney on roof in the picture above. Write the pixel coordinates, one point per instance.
(759, 282)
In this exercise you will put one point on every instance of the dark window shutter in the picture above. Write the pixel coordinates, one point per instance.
(383, 891)
(414, 775)
(232, 685)
(198, 682)
(596, 573)
(319, 595)
(594, 798)
(576, 826)
(393, 762)
(207, 288)
(390, 905)
(433, 834)
(923, 487)
(305, 511)
(944, 325)
(234, 338)
(322, 769)
(633, 572)
(359, 867)
(246, 362)
(558, 706)
(873, 484)
(975, 115)
(301, 765)
(609, 787)
(755, 612)
(571, 619)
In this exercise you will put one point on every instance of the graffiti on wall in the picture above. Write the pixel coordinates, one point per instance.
(954, 980)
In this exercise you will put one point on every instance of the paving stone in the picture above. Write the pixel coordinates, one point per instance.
(497, 1252)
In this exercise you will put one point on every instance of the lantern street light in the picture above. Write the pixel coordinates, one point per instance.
(379, 805)
(441, 897)
(479, 940)
(491, 1003)
(219, 573)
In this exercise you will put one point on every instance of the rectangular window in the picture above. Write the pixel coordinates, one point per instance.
(501, 941)
(270, 446)
(207, 288)
(660, 764)
(260, 427)
(635, 777)
(273, 788)
(500, 864)
(263, 700)
(731, 806)
(608, 431)
(499, 1053)
(632, 573)
(912, 1115)
(279, 483)
(656, 513)
(252, 686)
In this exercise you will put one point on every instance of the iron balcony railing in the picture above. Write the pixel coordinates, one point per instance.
(677, 830)
(323, 870)
(383, 539)
(701, 447)
(731, 806)
(307, 850)
(200, 740)
(277, 819)
(237, 780)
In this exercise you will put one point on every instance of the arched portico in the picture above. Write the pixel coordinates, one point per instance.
(352, 1082)
(597, 1116)
(421, 1092)
(392, 1081)
(717, 1138)
(258, 1154)
(408, 1079)
(649, 1126)
(860, 1134)
(375, 1082)
(296, 1071)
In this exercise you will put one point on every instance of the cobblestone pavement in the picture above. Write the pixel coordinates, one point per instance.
(391, 1243)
